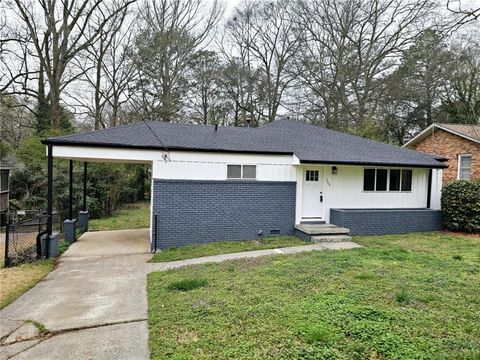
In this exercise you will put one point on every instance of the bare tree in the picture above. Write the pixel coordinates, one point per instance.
(206, 101)
(16, 72)
(357, 42)
(58, 33)
(107, 70)
(463, 15)
(171, 33)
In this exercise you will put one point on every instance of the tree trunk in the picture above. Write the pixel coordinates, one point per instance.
(55, 107)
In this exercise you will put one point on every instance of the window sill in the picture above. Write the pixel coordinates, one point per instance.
(386, 192)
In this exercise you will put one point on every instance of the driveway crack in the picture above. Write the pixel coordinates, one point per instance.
(51, 333)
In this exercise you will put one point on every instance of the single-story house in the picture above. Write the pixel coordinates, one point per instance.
(458, 143)
(214, 183)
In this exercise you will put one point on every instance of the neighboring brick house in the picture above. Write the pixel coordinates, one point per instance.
(459, 144)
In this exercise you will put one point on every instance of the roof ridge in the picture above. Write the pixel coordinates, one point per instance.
(94, 131)
(242, 128)
(353, 136)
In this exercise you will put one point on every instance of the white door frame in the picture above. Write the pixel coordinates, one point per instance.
(312, 193)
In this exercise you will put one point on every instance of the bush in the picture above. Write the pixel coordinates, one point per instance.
(461, 206)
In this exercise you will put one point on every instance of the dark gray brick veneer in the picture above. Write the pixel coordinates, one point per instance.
(200, 211)
(386, 221)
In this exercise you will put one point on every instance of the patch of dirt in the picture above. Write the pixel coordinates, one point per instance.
(454, 233)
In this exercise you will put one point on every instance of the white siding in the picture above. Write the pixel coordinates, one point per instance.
(436, 189)
(202, 166)
(188, 165)
(345, 190)
(103, 154)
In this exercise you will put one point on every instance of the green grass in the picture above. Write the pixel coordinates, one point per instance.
(16, 280)
(399, 297)
(130, 216)
(224, 247)
(187, 284)
(42, 329)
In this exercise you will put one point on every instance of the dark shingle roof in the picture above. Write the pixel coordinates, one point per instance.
(309, 143)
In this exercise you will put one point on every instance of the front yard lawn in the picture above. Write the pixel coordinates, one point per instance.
(16, 280)
(224, 247)
(400, 297)
(129, 216)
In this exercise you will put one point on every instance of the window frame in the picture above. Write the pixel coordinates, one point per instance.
(388, 180)
(242, 172)
(459, 167)
(312, 175)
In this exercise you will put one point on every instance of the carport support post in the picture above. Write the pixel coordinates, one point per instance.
(83, 215)
(49, 191)
(70, 190)
(85, 186)
(51, 245)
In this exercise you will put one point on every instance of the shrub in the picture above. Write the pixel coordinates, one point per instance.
(461, 206)
(187, 284)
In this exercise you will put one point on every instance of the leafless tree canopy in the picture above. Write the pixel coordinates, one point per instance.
(378, 68)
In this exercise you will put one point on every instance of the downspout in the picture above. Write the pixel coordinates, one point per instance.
(155, 234)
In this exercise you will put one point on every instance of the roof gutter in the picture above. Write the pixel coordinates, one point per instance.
(362, 163)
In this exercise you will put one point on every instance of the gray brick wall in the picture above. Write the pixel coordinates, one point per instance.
(199, 211)
(387, 221)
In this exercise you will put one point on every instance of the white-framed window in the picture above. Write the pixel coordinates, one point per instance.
(392, 180)
(311, 175)
(464, 166)
(242, 172)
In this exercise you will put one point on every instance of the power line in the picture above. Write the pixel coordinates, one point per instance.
(167, 152)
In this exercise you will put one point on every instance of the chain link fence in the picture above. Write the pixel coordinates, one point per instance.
(22, 238)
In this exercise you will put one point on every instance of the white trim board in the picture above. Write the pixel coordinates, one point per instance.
(420, 136)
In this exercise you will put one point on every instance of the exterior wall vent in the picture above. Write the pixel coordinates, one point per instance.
(274, 232)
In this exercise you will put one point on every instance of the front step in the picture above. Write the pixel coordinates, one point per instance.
(322, 232)
(330, 238)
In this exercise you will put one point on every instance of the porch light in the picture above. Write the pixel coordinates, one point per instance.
(334, 170)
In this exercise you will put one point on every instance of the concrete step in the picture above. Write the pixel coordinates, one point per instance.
(330, 239)
(322, 229)
(312, 221)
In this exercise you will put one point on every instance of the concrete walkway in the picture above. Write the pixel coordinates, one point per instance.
(94, 304)
(251, 254)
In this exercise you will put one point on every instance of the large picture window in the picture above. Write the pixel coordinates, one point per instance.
(387, 180)
(241, 171)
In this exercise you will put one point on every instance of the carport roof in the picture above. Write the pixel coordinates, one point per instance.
(311, 144)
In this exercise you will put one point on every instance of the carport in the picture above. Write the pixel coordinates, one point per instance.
(83, 154)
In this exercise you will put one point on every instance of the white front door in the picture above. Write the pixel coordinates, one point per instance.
(312, 198)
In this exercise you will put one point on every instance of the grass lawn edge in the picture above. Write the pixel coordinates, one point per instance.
(225, 247)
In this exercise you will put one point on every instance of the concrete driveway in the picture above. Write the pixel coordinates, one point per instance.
(94, 304)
